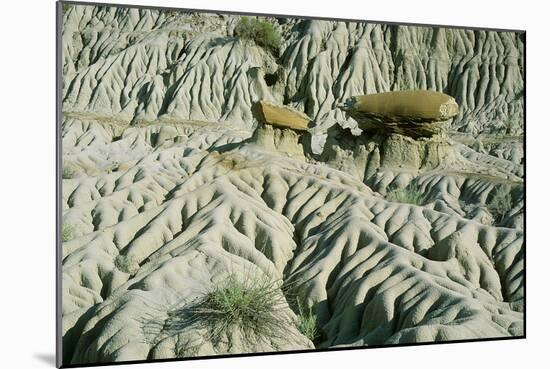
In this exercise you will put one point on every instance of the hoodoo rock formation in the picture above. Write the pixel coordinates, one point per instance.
(402, 131)
(280, 128)
(412, 113)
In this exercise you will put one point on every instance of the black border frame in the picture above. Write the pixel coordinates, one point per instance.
(58, 184)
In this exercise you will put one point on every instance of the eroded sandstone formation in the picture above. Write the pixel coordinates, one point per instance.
(280, 128)
(171, 184)
(411, 113)
(280, 116)
(141, 65)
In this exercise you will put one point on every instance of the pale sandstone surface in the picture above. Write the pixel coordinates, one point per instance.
(174, 184)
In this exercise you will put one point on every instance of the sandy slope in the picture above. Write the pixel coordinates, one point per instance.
(186, 213)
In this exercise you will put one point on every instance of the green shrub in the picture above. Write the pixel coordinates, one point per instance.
(260, 31)
(412, 194)
(126, 264)
(500, 204)
(67, 232)
(68, 172)
(66, 8)
(307, 322)
(255, 307)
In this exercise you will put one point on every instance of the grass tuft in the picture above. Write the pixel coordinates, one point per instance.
(307, 322)
(412, 194)
(254, 307)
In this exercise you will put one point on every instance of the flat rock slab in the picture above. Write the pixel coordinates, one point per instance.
(415, 113)
(280, 116)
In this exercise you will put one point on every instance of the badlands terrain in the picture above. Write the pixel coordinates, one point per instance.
(197, 160)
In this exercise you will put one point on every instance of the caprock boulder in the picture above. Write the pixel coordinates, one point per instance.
(412, 113)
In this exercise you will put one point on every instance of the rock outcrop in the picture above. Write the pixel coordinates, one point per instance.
(280, 116)
(280, 129)
(412, 113)
(402, 131)
(285, 141)
(143, 65)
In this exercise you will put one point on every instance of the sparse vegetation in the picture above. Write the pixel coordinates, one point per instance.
(307, 322)
(500, 204)
(66, 8)
(171, 12)
(67, 232)
(68, 172)
(255, 307)
(412, 194)
(126, 264)
(260, 31)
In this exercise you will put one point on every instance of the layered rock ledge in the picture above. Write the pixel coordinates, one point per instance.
(280, 116)
(280, 128)
(414, 113)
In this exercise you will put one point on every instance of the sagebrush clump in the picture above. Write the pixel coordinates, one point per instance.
(260, 31)
(412, 194)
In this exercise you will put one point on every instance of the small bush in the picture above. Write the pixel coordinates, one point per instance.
(67, 232)
(500, 204)
(307, 322)
(126, 264)
(68, 172)
(261, 32)
(255, 307)
(412, 194)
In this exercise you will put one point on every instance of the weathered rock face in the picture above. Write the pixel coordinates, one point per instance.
(144, 65)
(280, 129)
(169, 190)
(368, 154)
(412, 113)
(402, 131)
(280, 116)
(416, 106)
(282, 140)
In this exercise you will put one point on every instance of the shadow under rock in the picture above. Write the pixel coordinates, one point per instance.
(227, 147)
